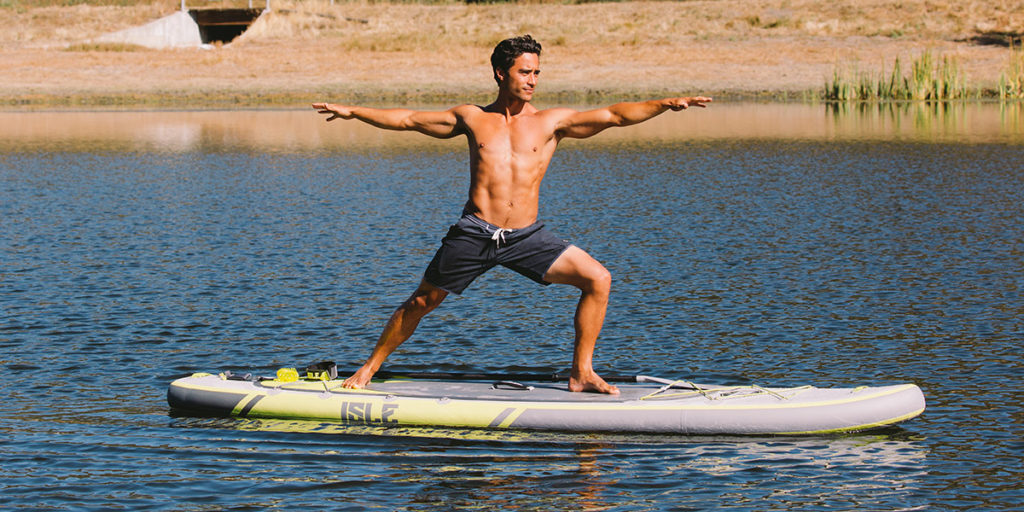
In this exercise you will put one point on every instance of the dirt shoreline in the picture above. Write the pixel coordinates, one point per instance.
(382, 53)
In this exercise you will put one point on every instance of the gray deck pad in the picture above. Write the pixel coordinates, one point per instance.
(540, 392)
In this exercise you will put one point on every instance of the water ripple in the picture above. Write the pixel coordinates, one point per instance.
(774, 261)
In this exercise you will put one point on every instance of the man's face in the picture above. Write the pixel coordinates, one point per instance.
(521, 78)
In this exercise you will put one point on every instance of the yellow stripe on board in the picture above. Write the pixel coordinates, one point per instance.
(723, 404)
(865, 426)
(240, 406)
(505, 418)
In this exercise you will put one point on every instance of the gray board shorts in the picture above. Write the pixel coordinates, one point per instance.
(473, 246)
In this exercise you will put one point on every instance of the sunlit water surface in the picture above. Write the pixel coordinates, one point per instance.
(772, 244)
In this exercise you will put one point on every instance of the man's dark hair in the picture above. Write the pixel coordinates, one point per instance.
(508, 50)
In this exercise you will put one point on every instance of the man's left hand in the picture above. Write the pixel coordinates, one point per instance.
(677, 104)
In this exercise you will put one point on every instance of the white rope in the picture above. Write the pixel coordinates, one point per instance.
(499, 236)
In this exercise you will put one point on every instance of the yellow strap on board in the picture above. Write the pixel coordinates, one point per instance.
(287, 375)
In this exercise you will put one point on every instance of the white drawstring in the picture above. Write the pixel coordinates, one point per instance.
(499, 236)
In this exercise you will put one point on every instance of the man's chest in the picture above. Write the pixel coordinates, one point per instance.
(495, 137)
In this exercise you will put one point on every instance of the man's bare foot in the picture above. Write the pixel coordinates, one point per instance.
(592, 383)
(358, 380)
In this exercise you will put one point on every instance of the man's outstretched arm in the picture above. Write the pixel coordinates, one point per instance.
(585, 124)
(436, 124)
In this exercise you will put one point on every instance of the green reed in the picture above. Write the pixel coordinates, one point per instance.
(928, 80)
(1011, 81)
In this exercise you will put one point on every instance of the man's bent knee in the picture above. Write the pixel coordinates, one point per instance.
(600, 281)
(424, 300)
(593, 277)
(577, 268)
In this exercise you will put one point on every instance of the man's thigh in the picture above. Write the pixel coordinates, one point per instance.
(575, 267)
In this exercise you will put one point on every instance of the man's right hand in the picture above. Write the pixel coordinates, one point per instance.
(336, 111)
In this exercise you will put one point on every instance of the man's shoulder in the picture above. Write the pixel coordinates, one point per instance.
(467, 108)
(556, 113)
(556, 117)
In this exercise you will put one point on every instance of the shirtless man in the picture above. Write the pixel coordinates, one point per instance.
(510, 145)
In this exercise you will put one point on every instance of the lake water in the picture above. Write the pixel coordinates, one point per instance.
(773, 244)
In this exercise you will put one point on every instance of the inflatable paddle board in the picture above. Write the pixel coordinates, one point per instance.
(648, 404)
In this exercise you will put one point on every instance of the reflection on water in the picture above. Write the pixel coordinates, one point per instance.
(490, 469)
(296, 130)
(963, 122)
(779, 244)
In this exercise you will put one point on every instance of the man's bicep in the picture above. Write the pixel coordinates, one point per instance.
(436, 124)
(585, 124)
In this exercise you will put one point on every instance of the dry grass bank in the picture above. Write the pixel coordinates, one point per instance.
(383, 51)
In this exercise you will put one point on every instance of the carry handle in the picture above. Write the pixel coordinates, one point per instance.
(511, 384)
